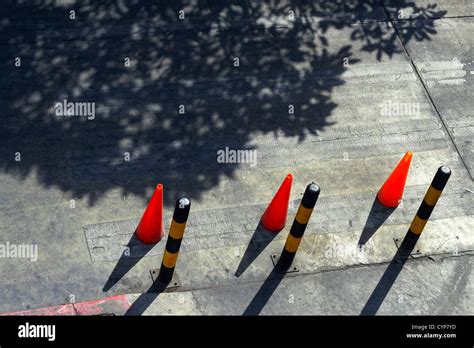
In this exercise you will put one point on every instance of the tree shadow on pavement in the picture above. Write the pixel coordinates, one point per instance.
(169, 92)
(181, 98)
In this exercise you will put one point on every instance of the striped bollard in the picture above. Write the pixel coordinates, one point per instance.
(425, 210)
(175, 236)
(302, 217)
(430, 200)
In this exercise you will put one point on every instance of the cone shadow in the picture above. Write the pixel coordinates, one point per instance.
(377, 216)
(137, 250)
(259, 241)
(390, 275)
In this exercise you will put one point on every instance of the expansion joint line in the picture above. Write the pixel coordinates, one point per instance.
(418, 75)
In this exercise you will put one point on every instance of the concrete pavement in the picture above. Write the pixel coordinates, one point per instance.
(366, 83)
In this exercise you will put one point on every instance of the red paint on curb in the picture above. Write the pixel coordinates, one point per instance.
(55, 310)
(95, 307)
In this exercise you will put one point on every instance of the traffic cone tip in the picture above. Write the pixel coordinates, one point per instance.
(274, 217)
(391, 192)
(150, 229)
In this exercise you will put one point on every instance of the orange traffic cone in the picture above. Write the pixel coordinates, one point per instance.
(391, 192)
(274, 217)
(150, 229)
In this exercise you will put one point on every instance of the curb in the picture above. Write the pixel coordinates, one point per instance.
(106, 306)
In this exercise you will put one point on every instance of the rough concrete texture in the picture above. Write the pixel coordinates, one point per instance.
(446, 64)
(332, 92)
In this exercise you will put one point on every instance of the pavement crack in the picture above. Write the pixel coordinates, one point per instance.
(425, 88)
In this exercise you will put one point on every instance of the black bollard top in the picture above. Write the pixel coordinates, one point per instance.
(441, 178)
(181, 210)
(310, 196)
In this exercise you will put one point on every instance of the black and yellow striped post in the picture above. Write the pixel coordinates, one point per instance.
(175, 236)
(425, 210)
(430, 200)
(302, 217)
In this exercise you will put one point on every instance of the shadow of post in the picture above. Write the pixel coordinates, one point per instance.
(390, 275)
(264, 293)
(377, 216)
(140, 305)
(136, 250)
(259, 241)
